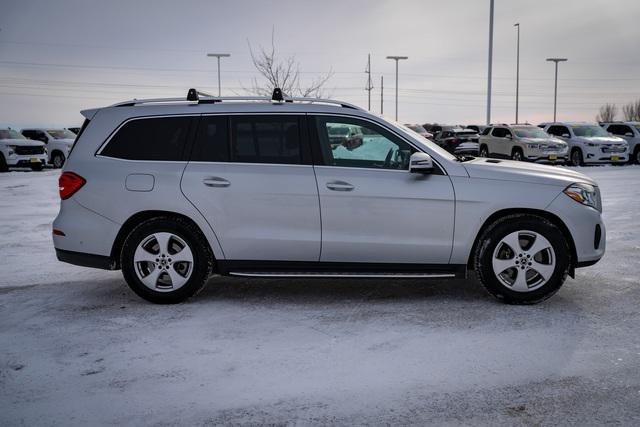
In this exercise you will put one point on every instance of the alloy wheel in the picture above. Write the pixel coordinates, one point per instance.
(523, 261)
(163, 262)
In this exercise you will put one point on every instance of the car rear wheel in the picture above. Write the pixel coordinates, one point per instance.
(484, 151)
(576, 157)
(166, 260)
(58, 160)
(522, 259)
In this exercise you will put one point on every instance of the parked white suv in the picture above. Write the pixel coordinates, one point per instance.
(589, 143)
(59, 143)
(18, 151)
(522, 142)
(175, 190)
(630, 132)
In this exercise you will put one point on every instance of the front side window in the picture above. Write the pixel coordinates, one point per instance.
(620, 130)
(558, 131)
(366, 145)
(161, 138)
(266, 139)
(499, 132)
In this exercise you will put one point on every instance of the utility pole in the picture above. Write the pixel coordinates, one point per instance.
(517, 70)
(555, 90)
(397, 58)
(490, 62)
(381, 95)
(369, 84)
(219, 55)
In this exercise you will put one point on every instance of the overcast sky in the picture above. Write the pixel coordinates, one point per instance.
(58, 57)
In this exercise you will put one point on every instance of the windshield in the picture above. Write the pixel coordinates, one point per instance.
(10, 134)
(589, 130)
(61, 134)
(419, 139)
(530, 132)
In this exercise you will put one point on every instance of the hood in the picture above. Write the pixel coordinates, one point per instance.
(600, 139)
(67, 141)
(508, 170)
(22, 142)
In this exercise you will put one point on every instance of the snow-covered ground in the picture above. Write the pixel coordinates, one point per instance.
(78, 348)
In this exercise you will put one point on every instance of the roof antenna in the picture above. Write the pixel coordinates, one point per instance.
(192, 95)
(277, 95)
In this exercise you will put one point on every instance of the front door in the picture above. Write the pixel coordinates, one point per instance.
(374, 210)
(252, 179)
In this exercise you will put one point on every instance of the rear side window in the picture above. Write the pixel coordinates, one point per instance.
(266, 139)
(161, 138)
(212, 140)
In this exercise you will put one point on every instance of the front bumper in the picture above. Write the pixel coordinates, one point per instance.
(23, 161)
(599, 155)
(585, 226)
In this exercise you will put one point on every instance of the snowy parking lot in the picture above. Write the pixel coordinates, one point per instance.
(77, 347)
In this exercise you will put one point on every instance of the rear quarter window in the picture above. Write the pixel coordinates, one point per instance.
(161, 138)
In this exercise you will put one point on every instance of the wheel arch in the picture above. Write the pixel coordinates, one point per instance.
(138, 218)
(554, 219)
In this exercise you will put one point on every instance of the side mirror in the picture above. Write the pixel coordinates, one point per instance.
(508, 136)
(628, 134)
(420, 163)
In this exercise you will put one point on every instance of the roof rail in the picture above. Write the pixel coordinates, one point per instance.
(196, 97)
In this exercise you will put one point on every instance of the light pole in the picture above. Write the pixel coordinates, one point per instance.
(219, 55)
(397, 58)
(555, 90)
(517, 70)
(490, 62)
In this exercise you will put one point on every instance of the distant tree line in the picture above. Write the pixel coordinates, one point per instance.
(630, 112)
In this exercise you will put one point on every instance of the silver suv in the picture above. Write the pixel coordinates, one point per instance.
(172, 191)
(522, 142)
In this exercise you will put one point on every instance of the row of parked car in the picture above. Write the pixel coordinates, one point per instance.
(35, 147)
(574, 143)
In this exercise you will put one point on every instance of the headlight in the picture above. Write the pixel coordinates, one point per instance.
(591, 144)
(585, 194)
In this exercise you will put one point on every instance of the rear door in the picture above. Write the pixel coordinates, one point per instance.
(498, 144)
(373, 209)
(251, 177)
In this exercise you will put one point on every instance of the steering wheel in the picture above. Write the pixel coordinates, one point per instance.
(387, 160)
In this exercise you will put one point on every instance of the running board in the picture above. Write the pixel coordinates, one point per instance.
(344, 275)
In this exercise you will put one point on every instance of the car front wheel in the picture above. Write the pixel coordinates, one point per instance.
(58, 160)
(484, 152)
(522, 259)
(166, 260)
(576, 158)
(516, 155)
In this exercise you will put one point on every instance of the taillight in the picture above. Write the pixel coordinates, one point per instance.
(69, 183)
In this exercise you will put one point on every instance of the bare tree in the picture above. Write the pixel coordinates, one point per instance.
(631, 111)
(607, 113)
(283, 73)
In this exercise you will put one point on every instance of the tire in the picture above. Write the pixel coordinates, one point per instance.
(576, 158)
(516, 155)
(484, 151)
(553, 261)
(58, 160)
(37, 167)
(142, 262)
(3, 164)
(636, 156)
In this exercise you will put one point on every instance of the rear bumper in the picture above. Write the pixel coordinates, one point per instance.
(86, 260)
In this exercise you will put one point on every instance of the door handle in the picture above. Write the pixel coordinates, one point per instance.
(339, 186)
(215, 181)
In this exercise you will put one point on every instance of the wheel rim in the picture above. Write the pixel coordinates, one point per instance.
(516, 156)
(163, 262)
(483, 152)
(523, 261)
(57, 161)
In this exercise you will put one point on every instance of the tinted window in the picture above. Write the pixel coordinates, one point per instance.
(558, 130)
(499, 132)
(486, 131)
(366, 146)
(620, 129)
(161, 138)
(212, 140)
(266, 139)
